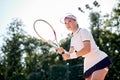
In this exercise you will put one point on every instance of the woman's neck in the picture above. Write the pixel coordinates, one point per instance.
(75, 29)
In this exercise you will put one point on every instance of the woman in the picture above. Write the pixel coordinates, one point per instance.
(96, 62)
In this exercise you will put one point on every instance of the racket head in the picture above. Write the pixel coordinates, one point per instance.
(45, 31)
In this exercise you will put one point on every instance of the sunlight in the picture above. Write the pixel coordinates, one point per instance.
(30, 10)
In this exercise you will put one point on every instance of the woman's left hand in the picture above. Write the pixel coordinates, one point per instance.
(66, 56)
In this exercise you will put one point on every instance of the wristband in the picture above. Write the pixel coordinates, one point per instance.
(73, 55)
(63, 52)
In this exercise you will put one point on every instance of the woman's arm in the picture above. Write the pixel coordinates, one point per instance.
(85, 50)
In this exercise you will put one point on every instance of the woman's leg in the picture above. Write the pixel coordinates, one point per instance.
(99, 74)
(88, 78)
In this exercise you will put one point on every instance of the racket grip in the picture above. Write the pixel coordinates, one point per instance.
(52, 44)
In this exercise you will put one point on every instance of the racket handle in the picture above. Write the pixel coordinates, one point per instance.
(53, 44)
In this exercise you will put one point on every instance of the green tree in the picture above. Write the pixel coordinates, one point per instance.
(113, 27)
(75, 66)
(25, 56)
(11, 50)
(38, 58)
(106, 33)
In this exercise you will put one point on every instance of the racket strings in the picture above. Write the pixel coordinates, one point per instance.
(45, 31)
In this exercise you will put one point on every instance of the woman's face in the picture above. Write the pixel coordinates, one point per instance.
(70, 24)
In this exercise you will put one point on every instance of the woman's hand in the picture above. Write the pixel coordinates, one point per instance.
(66, 56)
(60, 50)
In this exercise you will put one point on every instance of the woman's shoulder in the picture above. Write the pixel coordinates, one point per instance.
(83, 30)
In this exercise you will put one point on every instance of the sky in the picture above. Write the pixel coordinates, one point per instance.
(51, 10)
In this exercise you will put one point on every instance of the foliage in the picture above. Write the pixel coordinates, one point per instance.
(12, 52)
(75, 65)
(24, 57)
(106, 34)
(60, 71)
(27, 58)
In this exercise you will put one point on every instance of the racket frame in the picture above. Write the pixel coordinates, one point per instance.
(56, 45)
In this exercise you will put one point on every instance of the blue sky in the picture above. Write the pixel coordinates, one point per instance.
(50, 10)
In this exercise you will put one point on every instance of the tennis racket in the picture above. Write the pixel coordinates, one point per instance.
(45, 32)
